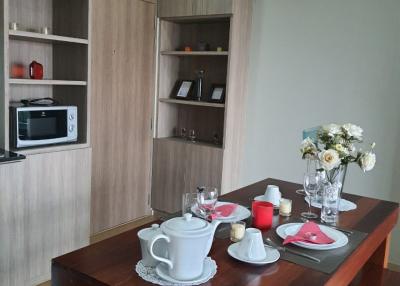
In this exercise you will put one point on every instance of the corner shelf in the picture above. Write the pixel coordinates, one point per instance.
(190, 102)
(31, 36)
(46, 82)
(194, 53)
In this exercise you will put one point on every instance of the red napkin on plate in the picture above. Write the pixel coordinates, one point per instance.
(309, 232)
(224, 210)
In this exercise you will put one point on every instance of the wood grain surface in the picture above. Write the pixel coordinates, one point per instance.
(111, 262)
(179, 167)
(122, 103)
(45, 208)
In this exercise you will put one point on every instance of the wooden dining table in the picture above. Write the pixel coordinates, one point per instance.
(112, 261)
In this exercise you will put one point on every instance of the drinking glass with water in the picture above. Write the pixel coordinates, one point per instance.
(330, 203)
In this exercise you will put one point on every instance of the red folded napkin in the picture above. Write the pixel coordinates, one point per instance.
(309, 232)
(224, 210)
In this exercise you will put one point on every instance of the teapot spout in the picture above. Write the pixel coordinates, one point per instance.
(214, 225)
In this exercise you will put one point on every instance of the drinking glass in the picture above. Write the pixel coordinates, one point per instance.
(311, 185)
(188, 200)
(192, 135)
(206, 199)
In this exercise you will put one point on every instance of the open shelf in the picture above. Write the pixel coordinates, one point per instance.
(46, 82)
(194, 53)
(196, 142)
(191, 102)
(31, 36)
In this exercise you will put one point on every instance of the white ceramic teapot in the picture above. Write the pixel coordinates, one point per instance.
(189, 242)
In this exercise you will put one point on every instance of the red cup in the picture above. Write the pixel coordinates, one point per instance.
(262, 214)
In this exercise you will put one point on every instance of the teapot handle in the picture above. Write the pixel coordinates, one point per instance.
(151, 244)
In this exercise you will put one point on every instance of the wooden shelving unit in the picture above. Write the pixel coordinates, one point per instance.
(194, 53)
(191, 102)
(64, 54)
(31, 36)
(46, 82)
(180, 165)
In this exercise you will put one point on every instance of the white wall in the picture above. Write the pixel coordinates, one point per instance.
(314, 62)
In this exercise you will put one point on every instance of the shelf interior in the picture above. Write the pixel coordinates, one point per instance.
(64, 18)
(195, 53)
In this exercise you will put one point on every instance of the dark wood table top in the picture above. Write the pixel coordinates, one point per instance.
(112, 261)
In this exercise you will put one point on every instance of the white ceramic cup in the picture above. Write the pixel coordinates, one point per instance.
(251, 247)
(273, 195)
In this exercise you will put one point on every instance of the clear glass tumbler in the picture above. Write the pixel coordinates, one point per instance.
(330, 203)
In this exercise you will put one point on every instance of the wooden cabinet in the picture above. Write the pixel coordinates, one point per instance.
(219, 126)
(179, 167)
(186, 8)
(45, 212)
(123, 37)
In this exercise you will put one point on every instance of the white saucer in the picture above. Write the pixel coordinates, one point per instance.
(272, 255)
(262, 199)
(339, 238)
(240, 213)
(209, 270)
(344, 205)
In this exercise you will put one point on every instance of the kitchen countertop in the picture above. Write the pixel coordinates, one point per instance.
(8, 156)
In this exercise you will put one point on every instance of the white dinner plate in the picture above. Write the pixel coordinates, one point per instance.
(292, 228)
(209, 270)
(240, 213)
(272, 255)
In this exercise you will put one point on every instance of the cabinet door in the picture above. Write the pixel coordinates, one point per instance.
(45, 212)
(13, 262)
(180, 167)
(123, 34)
(185, 8)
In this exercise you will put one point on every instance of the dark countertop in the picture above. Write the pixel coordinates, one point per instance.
(8, 156)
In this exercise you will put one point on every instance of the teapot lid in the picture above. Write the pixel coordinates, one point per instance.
(148, 233)
(186, 224)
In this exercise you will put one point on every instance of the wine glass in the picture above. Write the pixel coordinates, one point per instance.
(311, 185)
(206, 199)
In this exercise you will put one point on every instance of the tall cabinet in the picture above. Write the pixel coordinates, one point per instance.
(122, 106)
(180, 164)
(44, 199)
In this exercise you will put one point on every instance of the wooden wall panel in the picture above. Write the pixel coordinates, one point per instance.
(123, 36)
(45, 212)
(236, 93)
(179, 167)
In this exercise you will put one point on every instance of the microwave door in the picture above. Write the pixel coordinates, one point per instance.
(42, 127)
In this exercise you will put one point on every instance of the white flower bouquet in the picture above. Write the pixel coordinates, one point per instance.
(334, 148)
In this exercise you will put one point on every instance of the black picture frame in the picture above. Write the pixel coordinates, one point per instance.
(183, 89)
(217, 93)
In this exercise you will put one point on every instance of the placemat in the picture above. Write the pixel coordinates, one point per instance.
(330, 259)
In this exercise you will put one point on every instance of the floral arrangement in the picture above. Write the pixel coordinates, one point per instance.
(335, 147)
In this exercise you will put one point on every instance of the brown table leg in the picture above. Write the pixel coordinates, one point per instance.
(381, 254)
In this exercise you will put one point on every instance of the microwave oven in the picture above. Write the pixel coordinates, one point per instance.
(33, 126)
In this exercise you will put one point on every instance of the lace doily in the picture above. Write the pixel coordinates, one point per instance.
(149, 274)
